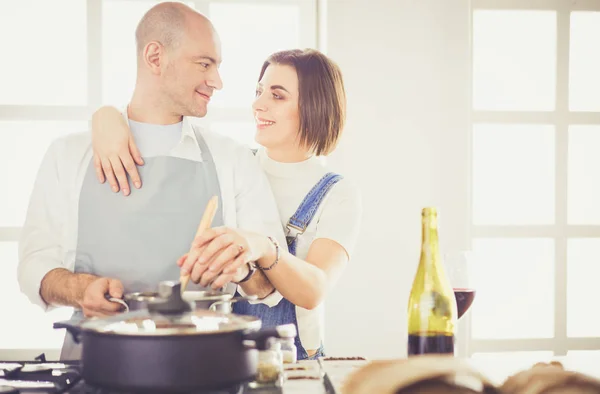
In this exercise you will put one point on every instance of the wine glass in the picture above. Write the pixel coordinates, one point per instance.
(460, 274)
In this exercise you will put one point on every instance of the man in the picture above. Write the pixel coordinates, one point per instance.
(81, 241)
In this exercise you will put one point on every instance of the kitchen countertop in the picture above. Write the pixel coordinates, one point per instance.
(495, 367)
(311, 381)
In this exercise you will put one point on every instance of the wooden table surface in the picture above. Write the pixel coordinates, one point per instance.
(495, 367)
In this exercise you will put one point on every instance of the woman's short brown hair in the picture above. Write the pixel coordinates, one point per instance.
(322, 98)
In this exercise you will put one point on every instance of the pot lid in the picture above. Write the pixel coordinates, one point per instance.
(197, 322)
(193, 295)
(203, 295)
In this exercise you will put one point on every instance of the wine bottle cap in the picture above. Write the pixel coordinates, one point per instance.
(430, 211)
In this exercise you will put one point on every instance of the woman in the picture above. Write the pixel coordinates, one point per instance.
(299, 111)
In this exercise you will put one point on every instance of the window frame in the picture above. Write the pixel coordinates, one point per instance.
(561, 231)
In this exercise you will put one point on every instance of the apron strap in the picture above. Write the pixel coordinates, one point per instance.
(204, 151)
(208, 158)
(308, 208)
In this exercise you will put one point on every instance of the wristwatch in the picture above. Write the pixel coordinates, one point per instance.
(276, 245)
(251, 271)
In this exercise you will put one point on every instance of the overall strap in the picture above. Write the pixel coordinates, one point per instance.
(299, 222)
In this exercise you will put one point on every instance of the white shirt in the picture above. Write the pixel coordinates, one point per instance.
(154, 139)
(337, 219)
(49, 236)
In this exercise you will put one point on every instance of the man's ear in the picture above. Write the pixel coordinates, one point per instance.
(153, 56)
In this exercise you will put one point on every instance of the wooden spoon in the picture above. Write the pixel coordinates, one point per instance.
(205, 223)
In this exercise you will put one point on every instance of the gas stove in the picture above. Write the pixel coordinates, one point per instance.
(32, 377)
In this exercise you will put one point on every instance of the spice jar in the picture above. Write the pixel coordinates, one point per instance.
(270, 364)
(289, 351)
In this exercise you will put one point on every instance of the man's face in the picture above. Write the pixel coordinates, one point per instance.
(192, 71)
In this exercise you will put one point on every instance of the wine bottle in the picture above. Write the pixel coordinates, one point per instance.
(432, 310)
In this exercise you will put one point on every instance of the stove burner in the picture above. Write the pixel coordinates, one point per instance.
(65, 378)
(8, 369)
(8, 390)
(83, 388)
(30, 368)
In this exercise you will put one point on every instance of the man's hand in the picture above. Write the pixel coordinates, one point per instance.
(94, 302)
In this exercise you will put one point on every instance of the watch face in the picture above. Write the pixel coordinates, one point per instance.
(251, 270)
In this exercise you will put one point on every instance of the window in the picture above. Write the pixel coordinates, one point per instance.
(47, 64)
(535, 175)
(82, 55)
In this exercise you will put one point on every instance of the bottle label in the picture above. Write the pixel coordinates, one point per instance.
(426, 305)
(433, 303)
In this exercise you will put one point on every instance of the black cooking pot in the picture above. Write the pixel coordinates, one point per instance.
(165, 349)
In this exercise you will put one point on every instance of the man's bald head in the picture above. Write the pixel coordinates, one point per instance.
(178, 58)
(166, 23)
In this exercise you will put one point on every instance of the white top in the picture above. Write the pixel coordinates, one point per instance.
(155, 139)
(49, 235)
(337, 219)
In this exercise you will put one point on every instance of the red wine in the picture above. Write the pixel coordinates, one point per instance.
(426, 344)
(464, 299)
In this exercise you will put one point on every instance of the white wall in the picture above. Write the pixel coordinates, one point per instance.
(406, 144)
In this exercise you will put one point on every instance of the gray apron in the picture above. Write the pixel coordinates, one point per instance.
(138, 239)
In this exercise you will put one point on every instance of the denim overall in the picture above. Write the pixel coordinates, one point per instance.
(138, 239)
(285, 311)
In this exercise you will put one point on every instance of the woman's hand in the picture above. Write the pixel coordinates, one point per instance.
(219, 254)
(114, 150)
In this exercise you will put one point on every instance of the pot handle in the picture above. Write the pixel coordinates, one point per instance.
(213, 306)
(119, 301)
(73, 327)
(262, 336)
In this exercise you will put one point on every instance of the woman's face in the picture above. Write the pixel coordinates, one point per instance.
(276, 110)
